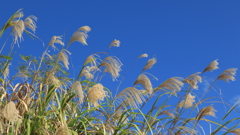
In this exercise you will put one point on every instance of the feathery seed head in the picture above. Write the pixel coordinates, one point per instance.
(149, 64)
(6, 72)
(206, 111)
(19, 25)
(186, 130)
(10, 112)
(92, 59)
(51, 79)
(115, 43)
(78, 88)
(228, 74)
(62, 56)
(96, 94)
(166, 112)
(143, 55)
(145, 82)
(188, 102)
(80, 35)
(235, 131)
(18, 15)
(193, 79)
(131, 96)
(112, 65)
(84, 29)
(56, 39)
(117, 115)
(87, 72)
(173, 84)
(17, 31)
(212, 66)
(30, 23)
(62, 131)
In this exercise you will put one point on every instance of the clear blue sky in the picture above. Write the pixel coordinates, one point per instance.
(184, 36)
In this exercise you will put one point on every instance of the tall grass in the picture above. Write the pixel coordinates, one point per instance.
(47, 101)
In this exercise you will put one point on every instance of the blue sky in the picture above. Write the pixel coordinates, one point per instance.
(184, 36)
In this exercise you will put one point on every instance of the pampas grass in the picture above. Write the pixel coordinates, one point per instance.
(188, 102)
(206, 111)
(193, 80)
(63, 57)
(145, 82)
(149, 64)
(80, 35)
(115, 43)
(212, 66)
(78, 88)
(10, 112)
(228, 74)
(173, 84)
(143, 55)
(96, 94)
(131, 96)
(112, 65)
(42, 99)
(19, 26)
(55, 40)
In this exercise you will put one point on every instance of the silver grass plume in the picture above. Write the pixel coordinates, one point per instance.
(62, 56)
(92, 59)
(143, 55)
(10, 112)
(235, 131)
(15, 18)
(6, 72)
(78, 88)
(30, 22)
(228, 74)
(188, 102)
(19, 25)
(51, 79)
(212, 66)
(96, 94)
(173, 84)
(18, 15)
(149, 64)
(186, 130)
(112, 65)
(17, 31)
(117, 115)
(166, 112)
(131, 96)
(115, 43)
(193, 80)
(206, 111)
(87, 72)
(80, 35)
(63, 130)
(55, 40)
(145, 82)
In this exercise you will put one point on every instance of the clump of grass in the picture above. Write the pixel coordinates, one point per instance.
(47, 101)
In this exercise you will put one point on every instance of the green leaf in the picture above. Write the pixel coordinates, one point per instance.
(66, 99)
(1, 80)
(5, 57)
(25, 58)
(73, 132)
